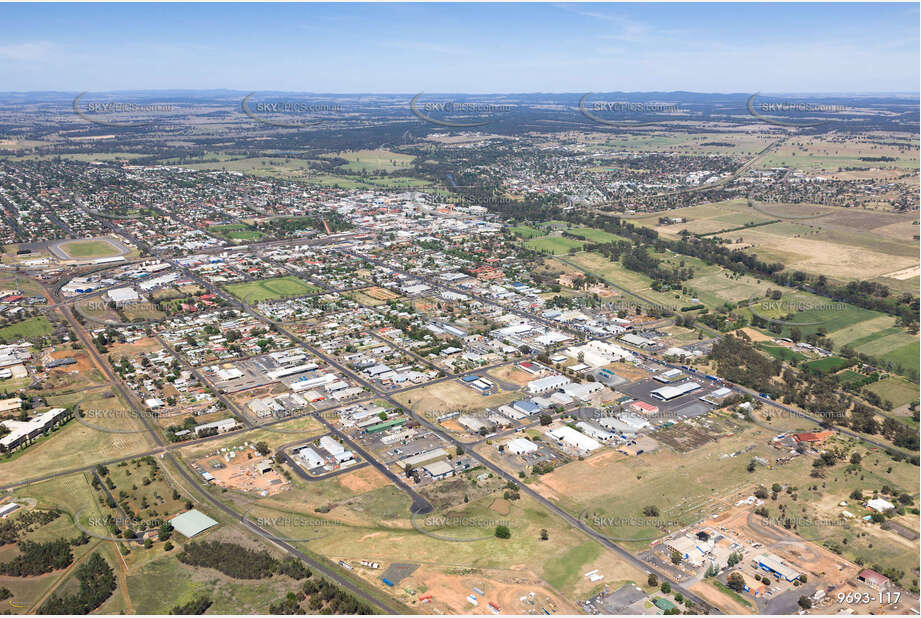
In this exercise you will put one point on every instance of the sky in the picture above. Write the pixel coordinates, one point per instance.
(462, 48)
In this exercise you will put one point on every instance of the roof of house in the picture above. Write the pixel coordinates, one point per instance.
(871, 576)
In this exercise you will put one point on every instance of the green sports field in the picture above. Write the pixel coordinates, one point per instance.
(236, 231)
(557, 245)
(89, 249)
(830, 364)
(271, 289)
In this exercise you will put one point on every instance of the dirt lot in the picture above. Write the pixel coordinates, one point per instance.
(684, 437)
(628, 371)
(451, 395)
(363, 480)
(510, 373)
(818, 562)
(505, 588)
(83, 372)
(754, 335)
(239, 473)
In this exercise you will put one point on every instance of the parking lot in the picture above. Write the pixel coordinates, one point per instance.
(685, 406)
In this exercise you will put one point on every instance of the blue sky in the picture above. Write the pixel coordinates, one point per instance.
(405, 48)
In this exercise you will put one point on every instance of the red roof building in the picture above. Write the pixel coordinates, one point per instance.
(873, 579)
(813, 437)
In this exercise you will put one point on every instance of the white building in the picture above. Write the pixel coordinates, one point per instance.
(594, 431)
(570, 437)
(547, 384)
(221, 426)
(310, 458)
(879, 505)
(120, 296)
(520, 446)
(673, 391)
(599, 353)
(583, 391)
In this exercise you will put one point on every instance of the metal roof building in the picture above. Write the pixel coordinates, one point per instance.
(672, 391)
(192, 522)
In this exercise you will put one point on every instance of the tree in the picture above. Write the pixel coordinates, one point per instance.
(652, 580)
(805, 603)
(544, 535)
(166, 530)
(676, 557)
(262, 448)
(502, 532)
(665, 587)
(651, 511)
(736, 581)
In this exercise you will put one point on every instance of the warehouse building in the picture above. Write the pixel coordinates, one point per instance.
(310, 458)
(520, 446)
(547, 384)
(667, 393)
(570, 437)
(773, 564)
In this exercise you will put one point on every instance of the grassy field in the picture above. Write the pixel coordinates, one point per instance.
(89, 248)
(594, 235)
(374, 160)
(897, 390)
(842, 243)
(829, 364)
(30, 328)
(236, 231)
(146, 587)
(821, 154)
(683, 486)
(526, 231)
(868, 332)
(557, 245)
(781, 353)
(271, 289)
(711, 285)
(110, 433)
